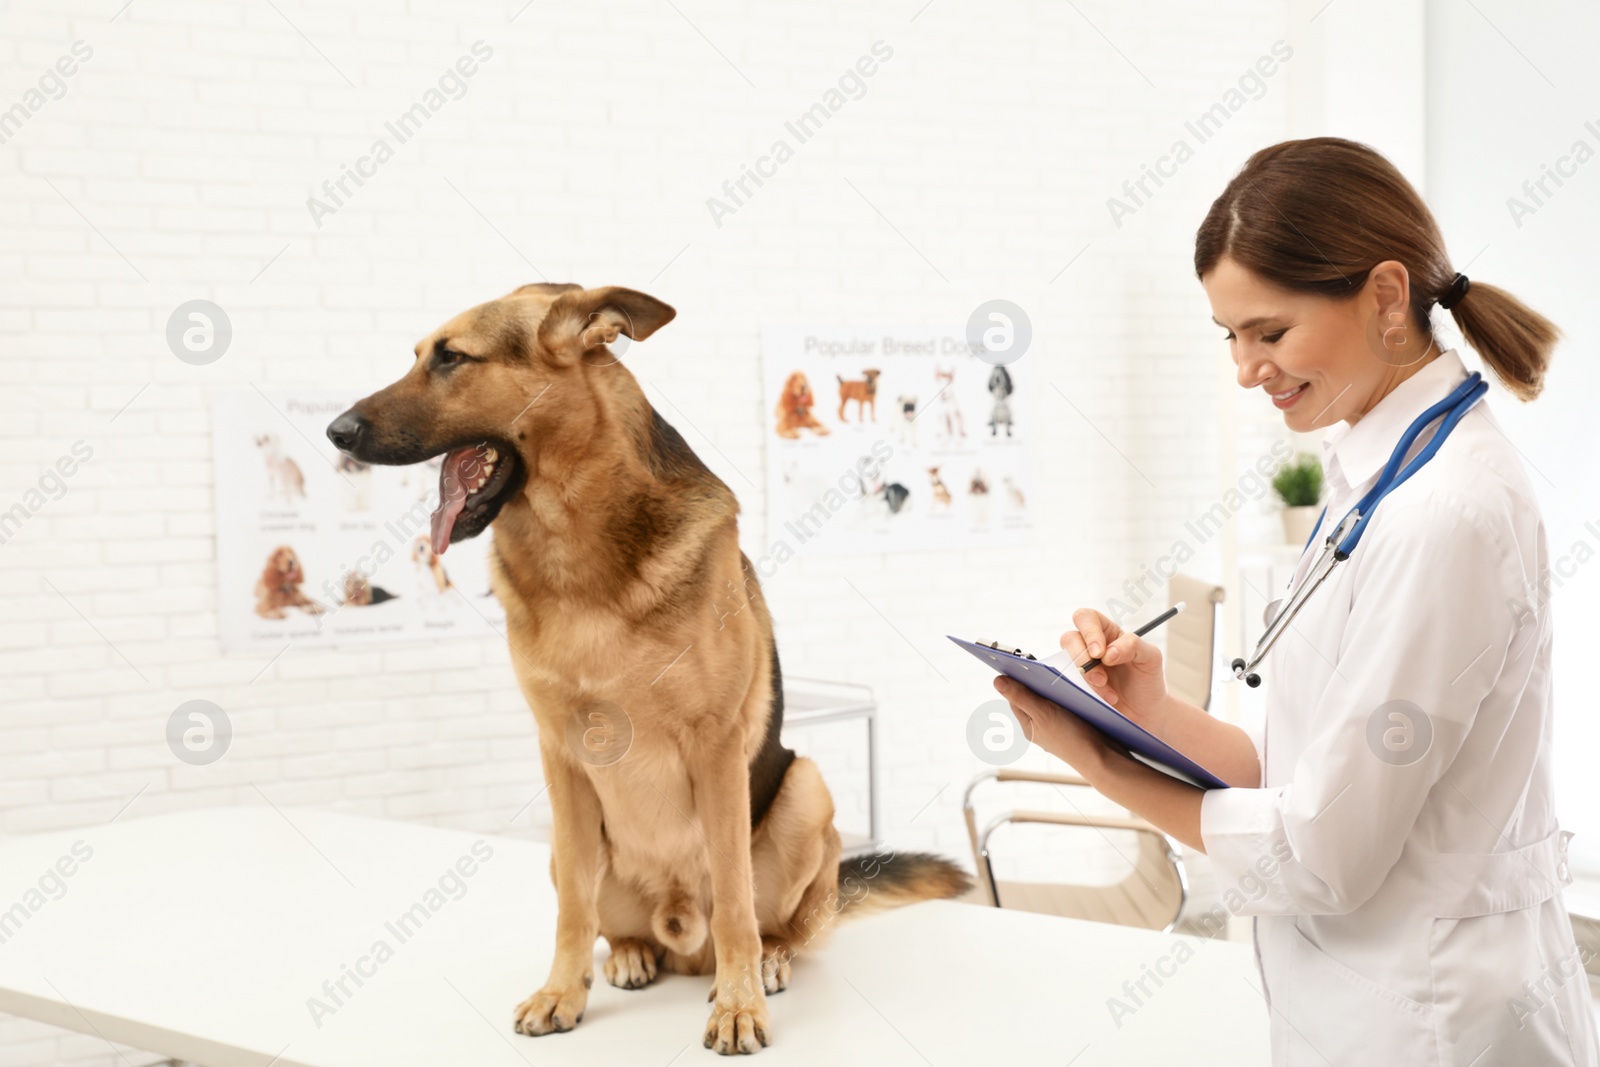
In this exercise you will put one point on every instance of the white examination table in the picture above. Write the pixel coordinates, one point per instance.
(203, 936)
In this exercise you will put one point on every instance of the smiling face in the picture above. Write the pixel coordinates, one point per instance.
(1320, 360)
(487, 387)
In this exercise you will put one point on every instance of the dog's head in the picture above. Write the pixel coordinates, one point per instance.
(357, 590)
(798, 390)
(488, 386)
(283, 566)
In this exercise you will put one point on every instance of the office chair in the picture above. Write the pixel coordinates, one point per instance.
(1191, 639)
(1156, 889)
(1152, 895)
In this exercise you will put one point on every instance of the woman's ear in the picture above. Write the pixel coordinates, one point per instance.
(1389, 284)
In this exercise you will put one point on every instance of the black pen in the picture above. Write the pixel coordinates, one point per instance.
(1141, 631)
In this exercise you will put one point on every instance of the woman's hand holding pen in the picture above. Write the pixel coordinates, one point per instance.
(1130, 677)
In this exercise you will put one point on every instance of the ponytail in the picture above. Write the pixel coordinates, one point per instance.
(1514, 340)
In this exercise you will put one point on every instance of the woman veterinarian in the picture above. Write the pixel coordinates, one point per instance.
(1397, 803)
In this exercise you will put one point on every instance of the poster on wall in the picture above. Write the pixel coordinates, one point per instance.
(885, 438)
(316, 548)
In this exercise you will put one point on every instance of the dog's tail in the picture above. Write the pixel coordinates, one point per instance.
(874, 883)
(869, 884)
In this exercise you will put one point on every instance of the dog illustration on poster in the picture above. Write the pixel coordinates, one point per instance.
(283, 474)
(951, 424)
(905, 420)
(941, 492)
(1014, 495)
(863, 390)
(278, 588)
(359, 592)
(978, 496)
(794, 408)
(1000, 388)
(432, 579)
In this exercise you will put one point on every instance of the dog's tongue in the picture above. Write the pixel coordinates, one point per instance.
(459, 467)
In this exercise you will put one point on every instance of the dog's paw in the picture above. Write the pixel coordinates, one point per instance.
(738, 1022)
(551, 1011)
(738, 1026)
(632, 963)
(775, 956)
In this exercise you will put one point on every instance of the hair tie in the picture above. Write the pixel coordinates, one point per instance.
(1457, 290)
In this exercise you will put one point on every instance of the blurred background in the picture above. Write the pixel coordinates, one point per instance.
(154, 153)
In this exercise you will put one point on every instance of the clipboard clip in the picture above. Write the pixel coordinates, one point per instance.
(1011, 651)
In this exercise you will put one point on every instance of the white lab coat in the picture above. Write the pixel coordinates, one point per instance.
(1402, 860)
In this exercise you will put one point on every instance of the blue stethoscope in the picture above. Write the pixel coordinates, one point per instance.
(1338, 545)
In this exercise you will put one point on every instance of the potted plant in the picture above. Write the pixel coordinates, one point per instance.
(1299, 485)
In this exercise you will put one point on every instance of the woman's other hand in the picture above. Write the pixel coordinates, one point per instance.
(1130, 677)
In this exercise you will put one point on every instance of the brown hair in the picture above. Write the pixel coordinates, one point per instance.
(1317, 215)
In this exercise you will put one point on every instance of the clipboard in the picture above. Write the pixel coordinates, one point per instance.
(1048, 678)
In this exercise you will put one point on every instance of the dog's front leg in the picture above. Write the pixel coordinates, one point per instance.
(721, 780)
(575, 843)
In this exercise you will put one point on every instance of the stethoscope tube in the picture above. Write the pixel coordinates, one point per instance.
(1340, 543)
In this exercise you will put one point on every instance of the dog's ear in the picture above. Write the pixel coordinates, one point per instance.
(543, 288)
(586, 319)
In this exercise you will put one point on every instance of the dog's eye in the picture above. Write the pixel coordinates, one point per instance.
(450, 358)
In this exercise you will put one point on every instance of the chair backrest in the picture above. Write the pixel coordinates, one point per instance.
(1152, 893)
(1150, 896)
(1191, 638)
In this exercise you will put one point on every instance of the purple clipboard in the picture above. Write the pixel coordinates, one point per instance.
(1047, 681)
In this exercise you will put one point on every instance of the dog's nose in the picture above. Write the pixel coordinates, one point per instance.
(345, 432)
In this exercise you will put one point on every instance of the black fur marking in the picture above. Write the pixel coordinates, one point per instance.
(772, 762)
(902, 873)
(669, 455)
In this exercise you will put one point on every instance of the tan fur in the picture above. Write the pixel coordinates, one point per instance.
(794, 408)
(941, 492)
(863, 391)
(615, 567)
(278, 588)
(357, 590)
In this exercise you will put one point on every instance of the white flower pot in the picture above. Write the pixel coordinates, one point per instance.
(1299, 522)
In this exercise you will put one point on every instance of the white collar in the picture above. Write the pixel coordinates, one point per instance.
(1355, 454)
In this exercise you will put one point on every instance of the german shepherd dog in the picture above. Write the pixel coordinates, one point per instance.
(684, 832)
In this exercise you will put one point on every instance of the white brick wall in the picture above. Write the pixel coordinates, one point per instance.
(177, 165)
